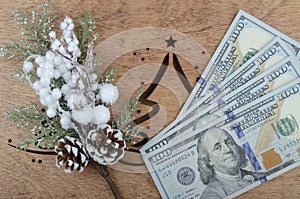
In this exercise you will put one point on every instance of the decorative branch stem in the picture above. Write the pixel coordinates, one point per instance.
(102, 169)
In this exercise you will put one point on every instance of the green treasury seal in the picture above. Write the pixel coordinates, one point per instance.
(286, 126)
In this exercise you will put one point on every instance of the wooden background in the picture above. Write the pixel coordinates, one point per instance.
(205, 21)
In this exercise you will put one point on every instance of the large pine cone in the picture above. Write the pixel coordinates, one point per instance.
(71, 154)
(105, 145)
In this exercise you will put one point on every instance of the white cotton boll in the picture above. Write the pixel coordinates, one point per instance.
(65, 122)
(56, 93)
(52, 34)
(49, 73)
(62, 68)
(54, 105)
(45, 81)
(66, 115)
(40, 72)
(62, 50)
(108, 93)
(68, 20)
(68, 65)
(102, 115)
(51, 112)
(50, 55)
(39, 60)
(84, 116)
(67, 76)
(71, 26)
(37, 86)
(27, 66)
(49, 100)
(55, 45)
(56, 74)
(49, 64)
(63, 25)
(58, 61)
(43, 93)
(65, 89)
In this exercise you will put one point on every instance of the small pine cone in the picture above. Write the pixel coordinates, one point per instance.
(71, 154)
(105, 145)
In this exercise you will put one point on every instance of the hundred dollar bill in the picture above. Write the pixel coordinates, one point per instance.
(225, 160)
(267, 57)
(244, 38)
(273, 78)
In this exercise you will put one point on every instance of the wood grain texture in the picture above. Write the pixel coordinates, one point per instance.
(205, 21)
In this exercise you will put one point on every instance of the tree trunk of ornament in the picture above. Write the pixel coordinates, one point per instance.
(102, 169)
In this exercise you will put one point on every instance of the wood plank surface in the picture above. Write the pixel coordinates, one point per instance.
(204, 21)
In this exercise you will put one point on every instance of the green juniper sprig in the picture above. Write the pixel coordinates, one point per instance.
(35, 28)
(124, 122)
(45, 131)
(108, 76)
(85, 32)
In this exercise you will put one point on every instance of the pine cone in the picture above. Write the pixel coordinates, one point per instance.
(105, 145)
(71, 154)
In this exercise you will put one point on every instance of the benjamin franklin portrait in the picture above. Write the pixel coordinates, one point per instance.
(220, 164)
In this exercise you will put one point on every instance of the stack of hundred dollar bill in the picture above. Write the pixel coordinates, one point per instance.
(239, 128)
